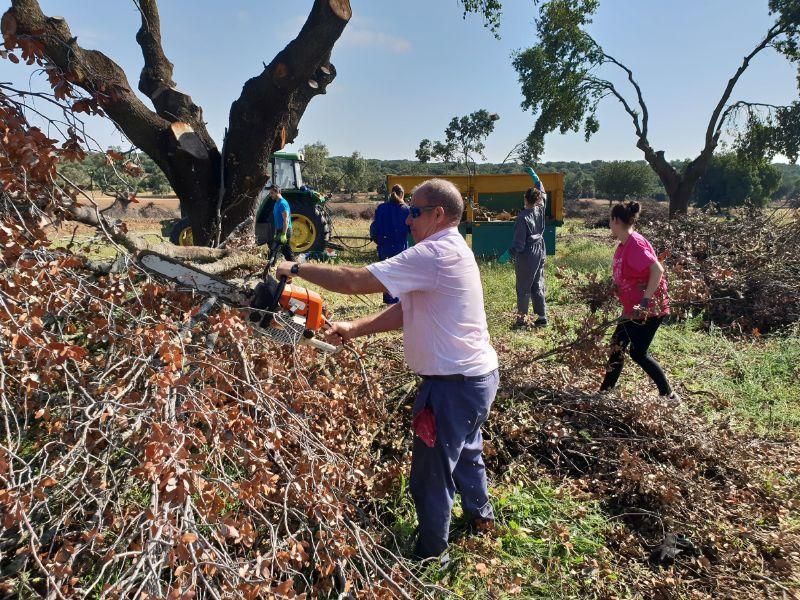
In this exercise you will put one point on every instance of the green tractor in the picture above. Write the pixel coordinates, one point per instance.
(311, 222)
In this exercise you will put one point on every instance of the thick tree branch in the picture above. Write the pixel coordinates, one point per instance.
(609, 87)
(156, 78)
(736, 106)
(157, 71)
(89, 215)
(715, 124)
(234, 262)
(259, 121)
(640, 96)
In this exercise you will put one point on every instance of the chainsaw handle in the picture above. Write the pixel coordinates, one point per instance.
(320, 345)
(278, 293)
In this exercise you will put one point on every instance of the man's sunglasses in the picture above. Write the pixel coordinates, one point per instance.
(416, 211)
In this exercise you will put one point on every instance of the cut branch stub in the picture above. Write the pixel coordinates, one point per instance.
(175, 105)
(188, 141)
(341, 8)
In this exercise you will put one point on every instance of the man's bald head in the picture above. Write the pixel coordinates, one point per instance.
(438, 192)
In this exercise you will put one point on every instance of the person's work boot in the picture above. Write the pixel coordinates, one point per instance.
(671, 398)
(540, 322)
(520, 323)
(481, 525)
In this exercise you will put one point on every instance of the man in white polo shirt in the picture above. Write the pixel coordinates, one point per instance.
(446, 341)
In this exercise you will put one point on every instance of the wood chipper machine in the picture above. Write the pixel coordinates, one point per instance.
(491, 204)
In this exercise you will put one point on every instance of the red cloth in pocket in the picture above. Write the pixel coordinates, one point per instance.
(425, 426)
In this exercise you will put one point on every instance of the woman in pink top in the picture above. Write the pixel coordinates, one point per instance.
(642, 290)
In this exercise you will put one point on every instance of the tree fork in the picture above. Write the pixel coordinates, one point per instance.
(266, 115)
(262, 120)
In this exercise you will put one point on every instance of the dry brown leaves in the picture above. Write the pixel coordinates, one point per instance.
(142, 455)
(742, 269)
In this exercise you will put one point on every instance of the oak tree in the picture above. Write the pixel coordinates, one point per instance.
(463, 139)
(567, 74)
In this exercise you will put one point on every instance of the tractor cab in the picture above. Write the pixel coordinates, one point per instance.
(311, 223)
(284, 171)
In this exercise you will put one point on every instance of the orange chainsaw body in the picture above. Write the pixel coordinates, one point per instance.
(305, 303)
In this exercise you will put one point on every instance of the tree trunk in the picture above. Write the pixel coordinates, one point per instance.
(679, 200)
(679, 186)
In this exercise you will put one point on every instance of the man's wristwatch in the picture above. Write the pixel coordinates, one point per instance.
(295, 270)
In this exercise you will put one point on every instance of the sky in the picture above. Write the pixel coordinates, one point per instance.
(406, 67)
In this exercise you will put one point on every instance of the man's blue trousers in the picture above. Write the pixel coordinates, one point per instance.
(455, 462)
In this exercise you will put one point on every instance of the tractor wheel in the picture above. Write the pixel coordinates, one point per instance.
(181, 233)
(311, 226)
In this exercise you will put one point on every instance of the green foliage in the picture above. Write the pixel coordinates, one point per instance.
(556, 74)
(577, 184)
(790, 181)
(618, 179)
(491, 11)
(374, 179)
(114, 171)
(770, 131)
(316, 164)
(354, 170)
(788, 15)
(731, 180)
(463, 139)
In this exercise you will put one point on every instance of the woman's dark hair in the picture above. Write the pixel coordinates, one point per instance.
(627, 212)
(397, 195)
(534, 196)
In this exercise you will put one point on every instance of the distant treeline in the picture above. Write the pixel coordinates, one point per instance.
(729, 180)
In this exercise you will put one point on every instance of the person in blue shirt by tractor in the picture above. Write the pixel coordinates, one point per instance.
(389, 230)
(282, 220)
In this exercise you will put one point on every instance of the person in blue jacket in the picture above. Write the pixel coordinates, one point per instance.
(389, 230)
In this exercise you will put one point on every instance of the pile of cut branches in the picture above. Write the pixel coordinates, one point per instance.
(659, 470)
(742, 269)
(148, 453)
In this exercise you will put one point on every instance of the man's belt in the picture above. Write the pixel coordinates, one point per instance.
(456, 377)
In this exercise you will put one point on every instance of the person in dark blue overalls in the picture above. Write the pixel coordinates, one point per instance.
(529, 252)
(389, 230)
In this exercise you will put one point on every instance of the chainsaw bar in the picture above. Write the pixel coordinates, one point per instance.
(195, 279)
(285, 327)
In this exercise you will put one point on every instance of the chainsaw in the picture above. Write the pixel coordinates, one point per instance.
(285, 313)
